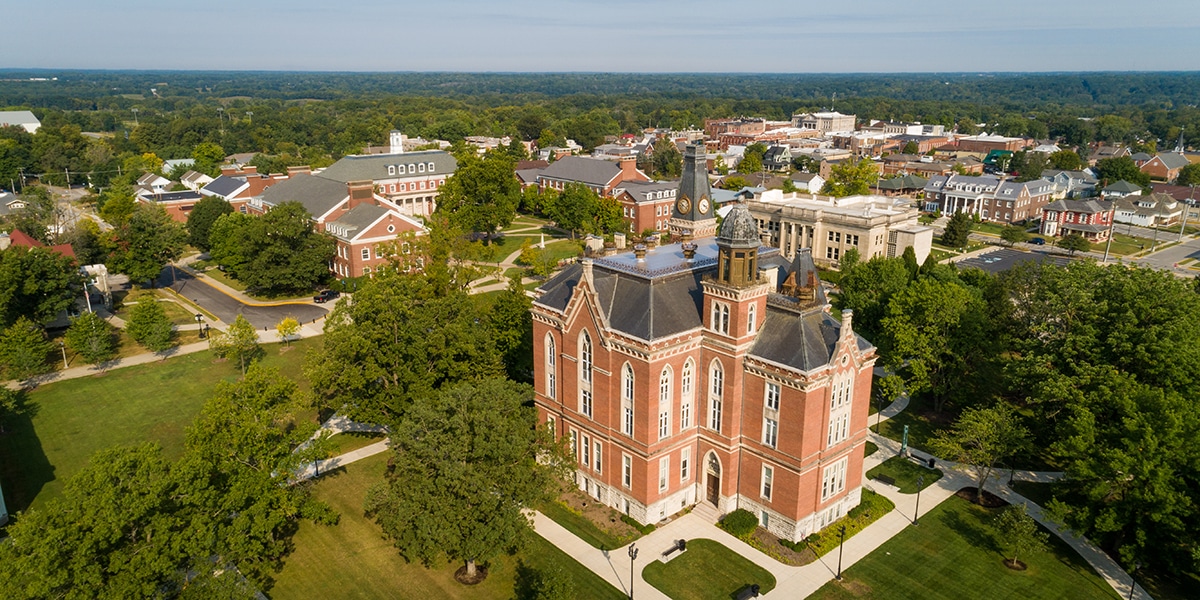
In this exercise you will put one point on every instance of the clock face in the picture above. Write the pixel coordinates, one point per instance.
(684, 205)
(703, 206)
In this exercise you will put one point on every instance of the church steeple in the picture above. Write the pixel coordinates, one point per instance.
(694, 214)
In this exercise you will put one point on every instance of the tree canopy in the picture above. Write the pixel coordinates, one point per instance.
(146, 242)
(483, 195)
(276, 253)
(958, 230)
(36, 283)
(851, 178)
(201, 219)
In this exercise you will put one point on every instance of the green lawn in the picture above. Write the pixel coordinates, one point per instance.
(220, 276)
(870, 449)
(922, 423)
(352, 560)
(954, 554)
(350, 440)
(706, 571)
(991, 228)
(905, 472)
(582, 527)
(179, 315)
(70, 420)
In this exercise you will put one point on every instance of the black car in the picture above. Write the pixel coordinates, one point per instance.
(326, 296)
(1038, 241)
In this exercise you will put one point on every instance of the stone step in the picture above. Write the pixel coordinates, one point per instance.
(707, 512)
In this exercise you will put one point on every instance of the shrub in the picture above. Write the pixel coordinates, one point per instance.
(740, 523)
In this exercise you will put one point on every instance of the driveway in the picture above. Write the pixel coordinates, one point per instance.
(227, 308)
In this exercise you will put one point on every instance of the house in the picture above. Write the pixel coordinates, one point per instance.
(17, 237)
(1091, 219)
(177, 204)
(1155, 210)
(194, 180)
(904, 185)
(11, 203)
(706, 374)
(236, 185)
(777, 158)
(1164, 166)
(602, 176)
(1102, 151)
(828, 227)
(171, 164)
(153, 182)
(927, 166)
(646, 205)
(992, 198)
(1071, 184)
(410, 180)
(807, 182)
(20, 118)
(1120, 189)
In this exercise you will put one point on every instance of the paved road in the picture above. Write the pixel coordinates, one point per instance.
(227, 308)
(1166, 259)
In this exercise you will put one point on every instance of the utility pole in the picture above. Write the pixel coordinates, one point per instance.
(1186, 207)
(1112, 222)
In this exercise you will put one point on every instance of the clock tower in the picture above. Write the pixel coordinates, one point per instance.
(694, 214)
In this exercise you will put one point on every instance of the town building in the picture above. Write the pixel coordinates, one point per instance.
(1155, 210)
(177, 204)
(1120, 189)
(1164, 166)
(20, 118)
(824, 122)
(694, 214)
(807, 182)
(707, 373)
(647, 205)
(1071, 184)
(904, 185)
(995, 199)
(1091, 219)
(985, 143)
(194, 180)
(601, 176)
(410, 180)
(828, 227)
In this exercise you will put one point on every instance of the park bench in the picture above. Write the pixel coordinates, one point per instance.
(748, 592)
(885, 479)
(678, 546)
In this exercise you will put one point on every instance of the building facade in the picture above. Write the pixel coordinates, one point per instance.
(995, 199)
(705, 372)
(1091, 219)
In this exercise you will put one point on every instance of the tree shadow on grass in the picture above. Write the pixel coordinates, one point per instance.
(25, 469)
(978, 534)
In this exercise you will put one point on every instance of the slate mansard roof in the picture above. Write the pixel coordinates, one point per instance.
(663, 296)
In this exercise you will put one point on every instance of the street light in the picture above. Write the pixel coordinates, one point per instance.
(633, 552)
(62, 346)
(917, 510)
(841, 544)
(1132, 582)
(200, 324)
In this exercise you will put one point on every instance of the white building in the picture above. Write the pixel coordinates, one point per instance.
(20, 118)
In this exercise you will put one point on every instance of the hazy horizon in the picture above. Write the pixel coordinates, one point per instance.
(618, 36)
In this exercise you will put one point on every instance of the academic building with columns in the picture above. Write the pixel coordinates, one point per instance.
(707, 372)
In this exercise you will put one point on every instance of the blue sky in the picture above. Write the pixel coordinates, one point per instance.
(611, 35)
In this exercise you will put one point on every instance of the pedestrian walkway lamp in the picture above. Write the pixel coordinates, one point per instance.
(63, 347)
(1132, 582)
(917, 510)
(842, 531)
(633, 552)
(200, 324)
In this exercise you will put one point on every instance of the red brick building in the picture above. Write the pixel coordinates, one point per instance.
(1091, 219)
(602, 176)
(647, 205)
(705, 373)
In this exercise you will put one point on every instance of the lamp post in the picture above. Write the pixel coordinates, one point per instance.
(200, 324)
(62, 346)
(841, 543)
(633, 552)
(1132, 581)
(917, 510)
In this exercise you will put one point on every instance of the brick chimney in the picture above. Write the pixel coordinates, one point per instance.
(629, 169)
(298, 169)
(361, 192)
(229, 170)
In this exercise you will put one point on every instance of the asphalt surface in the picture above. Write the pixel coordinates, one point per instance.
(1169, 257)
(1004, 259)
(227, 308)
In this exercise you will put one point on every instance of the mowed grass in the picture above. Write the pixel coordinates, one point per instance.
(581, 526)
(351, 560)
(905, 474)
(954, 554)
(706, 571)
(70, 420)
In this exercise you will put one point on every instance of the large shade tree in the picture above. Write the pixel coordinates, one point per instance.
(483, 195)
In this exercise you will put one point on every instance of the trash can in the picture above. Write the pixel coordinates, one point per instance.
(931, 462)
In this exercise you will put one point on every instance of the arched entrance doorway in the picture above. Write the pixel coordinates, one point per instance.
(713, 479)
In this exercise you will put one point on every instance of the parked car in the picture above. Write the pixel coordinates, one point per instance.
(326, 296)
(1038, 241)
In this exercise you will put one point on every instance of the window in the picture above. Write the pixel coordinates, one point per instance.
(839, 408)
(750, 318)
(833, 479)
(685, 463)
(770, 431)
(715, 393)
(421, 167)
(627, 400)
(664, 467)
(430, 167)
(575, 443)
(585, 357)
(392, 188)
(627, 470)
(366, 270)
(772, 401)
(422, 185)
(664, 403)
(551, 362)
(587, 451)
(686, 395)
(768, 475)
(391, 169)
(833, 253)
(597, 451)
(720, 317)
(586, 403)
(366, 253)
(404, 187)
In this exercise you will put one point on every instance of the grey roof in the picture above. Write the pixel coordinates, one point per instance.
(1083, 176)
(644, 191)
(801, 340)
(1080, 206)
(358, 218)
(738, 227)
(10, 203)
(17, 117)
(1124, 187)
(317, 194)
(375, 167)
(908, 182)
(1141, 157)
(224, 186)
(1174, 160)
(592, 171)
(804, 177)
(172, 196)
(528, 176)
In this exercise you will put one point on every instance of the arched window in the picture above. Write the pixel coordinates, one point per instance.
(840, 394)
(716, 392)
(627, 400)
(664, 403)
(750, 318)
(585, 374)
(686, 394)
(551, 364)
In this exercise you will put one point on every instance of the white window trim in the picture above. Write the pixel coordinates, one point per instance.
(664, 473)
(626, 471)
(551, 366)
(716, 394)
(833, 479)
(685, 465)
(766, 482)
